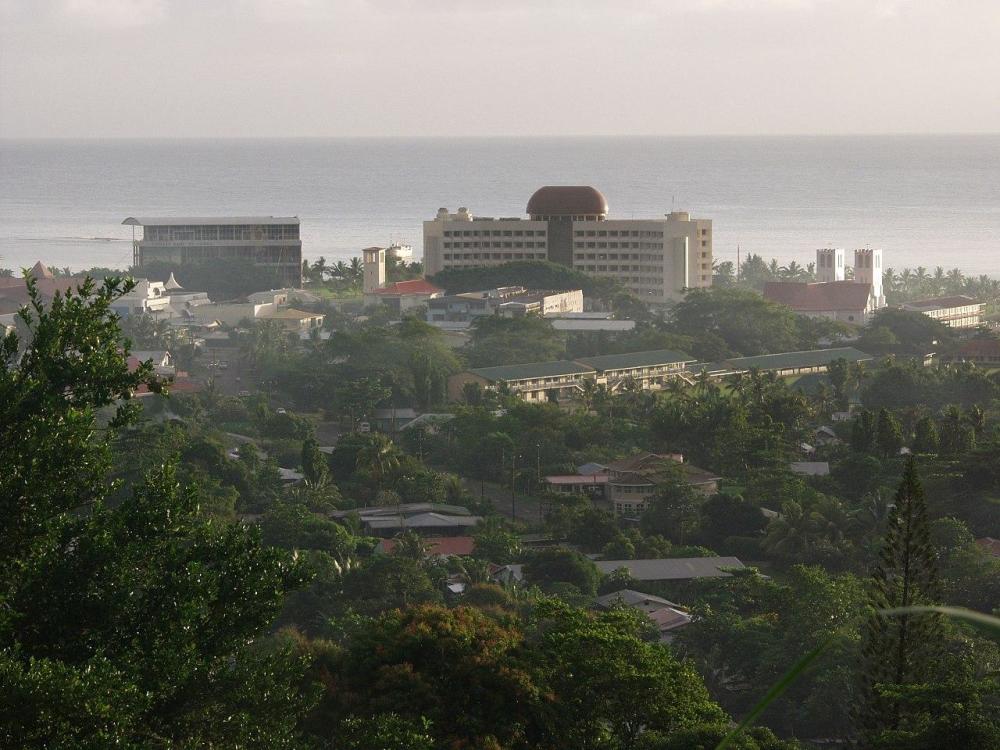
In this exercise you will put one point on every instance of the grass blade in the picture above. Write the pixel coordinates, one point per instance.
(776, 690)
(984, 621)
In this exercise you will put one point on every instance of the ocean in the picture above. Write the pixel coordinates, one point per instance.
(927, 200)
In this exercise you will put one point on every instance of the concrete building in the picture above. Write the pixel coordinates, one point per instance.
(233, 313)
(271, 242)
(958, 311)
(656, 259)
(511, 301)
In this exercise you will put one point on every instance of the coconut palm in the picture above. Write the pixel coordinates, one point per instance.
(473, 571)
(411, 546)
(378, 458)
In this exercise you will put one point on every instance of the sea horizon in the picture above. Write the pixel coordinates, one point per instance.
(928, 199)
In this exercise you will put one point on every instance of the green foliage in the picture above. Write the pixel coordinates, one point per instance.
(609, 683)
(70, 364)
(893, 330)
(495, 543)
(132, 624)
(386, 731)
(496, 340)
(459, 668)
(900, 651)
(888, 434)
(744, 322)
(561, 565)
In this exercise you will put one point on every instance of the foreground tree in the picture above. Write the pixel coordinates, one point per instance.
(127, 626)
(900, 651)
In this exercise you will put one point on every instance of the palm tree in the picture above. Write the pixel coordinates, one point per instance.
(473, 571)
(356, 270)
(411, 546)
(378, 458)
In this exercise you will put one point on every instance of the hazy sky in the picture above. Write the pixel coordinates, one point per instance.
(104, 68)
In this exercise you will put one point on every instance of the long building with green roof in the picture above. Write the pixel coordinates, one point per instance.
(651, 370)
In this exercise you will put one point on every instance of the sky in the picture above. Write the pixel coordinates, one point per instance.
(264, 68)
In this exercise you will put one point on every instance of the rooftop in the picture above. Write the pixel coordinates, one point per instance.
(634, 599)
(290, 313)
(820, 296)
(940, 303)
(567, 200)
(166, 221)
(413, 286)
(532, 370)
(792, 360)
(652, 358)
(674, 568)
(443, 546)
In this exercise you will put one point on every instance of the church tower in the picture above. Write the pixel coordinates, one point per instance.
(868, 269)
(830, 264)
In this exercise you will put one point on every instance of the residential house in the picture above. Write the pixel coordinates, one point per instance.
(633, 481)
(665, 614)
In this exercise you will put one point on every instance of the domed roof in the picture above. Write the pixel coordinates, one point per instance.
(567, 200)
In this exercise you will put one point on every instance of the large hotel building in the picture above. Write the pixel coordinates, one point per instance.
(268, 241)
(655, 259)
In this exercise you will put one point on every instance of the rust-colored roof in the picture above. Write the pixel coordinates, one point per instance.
(413, 286)
(444, 546)
(820, 296)
(980, 347)
(567, 200)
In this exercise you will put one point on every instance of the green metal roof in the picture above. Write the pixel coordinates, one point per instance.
(793, 360)
(532, 370)
(637, 359)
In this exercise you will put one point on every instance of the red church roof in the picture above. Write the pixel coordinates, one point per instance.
(413, 286)
(820, 296)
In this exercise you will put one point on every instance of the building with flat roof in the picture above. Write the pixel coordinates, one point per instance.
(957, 311)
(511, 302)
(656, 259)
(271, 242)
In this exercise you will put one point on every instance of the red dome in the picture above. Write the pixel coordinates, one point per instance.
(567, 200)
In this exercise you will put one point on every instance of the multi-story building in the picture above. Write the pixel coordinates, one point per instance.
(272, 242)
(958, 311)
(656, 259)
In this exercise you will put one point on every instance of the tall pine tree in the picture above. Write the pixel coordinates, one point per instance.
(903, 650)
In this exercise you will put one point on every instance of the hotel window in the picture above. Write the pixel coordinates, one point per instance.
(704, 243)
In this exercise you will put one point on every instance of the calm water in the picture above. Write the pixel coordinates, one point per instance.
(928, 201)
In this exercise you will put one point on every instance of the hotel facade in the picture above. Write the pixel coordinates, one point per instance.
(655, 259)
